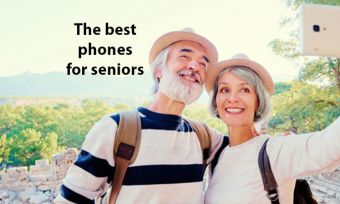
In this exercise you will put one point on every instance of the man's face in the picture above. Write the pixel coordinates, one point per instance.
(188, 55)
(183, 77)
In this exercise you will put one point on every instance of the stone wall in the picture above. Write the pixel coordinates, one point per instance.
(326, 187)
(39, 184)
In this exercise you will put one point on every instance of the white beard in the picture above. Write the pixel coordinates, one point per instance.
(172, 86)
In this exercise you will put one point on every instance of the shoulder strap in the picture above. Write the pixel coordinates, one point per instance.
(126, 148)
(214, 161)
(204, 136)
(268, 179)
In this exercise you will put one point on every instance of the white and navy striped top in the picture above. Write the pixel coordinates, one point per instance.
(168, 167)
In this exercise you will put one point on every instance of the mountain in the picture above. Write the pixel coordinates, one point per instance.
(60, 84)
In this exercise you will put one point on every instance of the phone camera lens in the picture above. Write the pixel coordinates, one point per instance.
(316, 28)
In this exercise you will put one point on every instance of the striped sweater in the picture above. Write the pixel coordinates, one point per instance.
(168, 167)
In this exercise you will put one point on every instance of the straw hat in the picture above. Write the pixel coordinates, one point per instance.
(239, 60)
(185, 34)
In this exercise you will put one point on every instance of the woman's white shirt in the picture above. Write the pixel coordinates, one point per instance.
(237, 177)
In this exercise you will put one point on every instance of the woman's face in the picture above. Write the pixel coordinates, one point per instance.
(236, 101)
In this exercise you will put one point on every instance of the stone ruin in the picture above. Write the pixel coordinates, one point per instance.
(41, 183)
(38, 185)
(326, 187)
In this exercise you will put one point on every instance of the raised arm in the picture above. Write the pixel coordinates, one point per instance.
(305, 154)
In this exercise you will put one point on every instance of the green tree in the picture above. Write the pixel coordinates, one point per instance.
(47, 129)
(281, 87)
(9, 115)
(26, 147)
(39, 118)
(4, 149)
(49, 145)
(305, 108)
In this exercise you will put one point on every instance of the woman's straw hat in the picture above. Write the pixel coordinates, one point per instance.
(243, 61)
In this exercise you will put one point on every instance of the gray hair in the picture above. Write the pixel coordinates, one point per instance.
(252, 79)
(158, 63)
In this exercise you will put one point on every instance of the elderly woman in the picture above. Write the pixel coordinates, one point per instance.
(240, 90)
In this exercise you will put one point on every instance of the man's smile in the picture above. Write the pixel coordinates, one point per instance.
(190, 76)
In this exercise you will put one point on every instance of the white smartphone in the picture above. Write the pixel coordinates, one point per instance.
(320, 30)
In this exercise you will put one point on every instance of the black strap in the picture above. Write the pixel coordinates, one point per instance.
(268, 179)
(218, 153)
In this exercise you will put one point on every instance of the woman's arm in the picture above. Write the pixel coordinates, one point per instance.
(305, 154)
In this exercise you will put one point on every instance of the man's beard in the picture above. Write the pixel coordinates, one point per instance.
(173, 86)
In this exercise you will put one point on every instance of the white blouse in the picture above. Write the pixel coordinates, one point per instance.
(237, 178)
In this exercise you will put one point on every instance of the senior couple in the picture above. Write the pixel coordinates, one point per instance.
(168, 167)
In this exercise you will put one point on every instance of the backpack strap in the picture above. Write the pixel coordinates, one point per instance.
(126, 148)
(214, 161)
(268, 179)
(204, 136)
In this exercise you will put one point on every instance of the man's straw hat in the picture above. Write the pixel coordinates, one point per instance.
(185, 34)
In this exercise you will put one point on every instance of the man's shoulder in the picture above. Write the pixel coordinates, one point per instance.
(112, 117)
(106, 125)
(116, 116)
(108, 119)
(102, 134)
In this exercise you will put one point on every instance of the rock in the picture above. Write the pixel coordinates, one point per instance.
(7, 196)
(38, 198)
(333, 202)
(43, 188)
(4, 195)
(338, 195)
(16, 202)
(330, 193)
(26, 194)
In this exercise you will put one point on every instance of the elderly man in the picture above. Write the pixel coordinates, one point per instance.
(169, 166)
